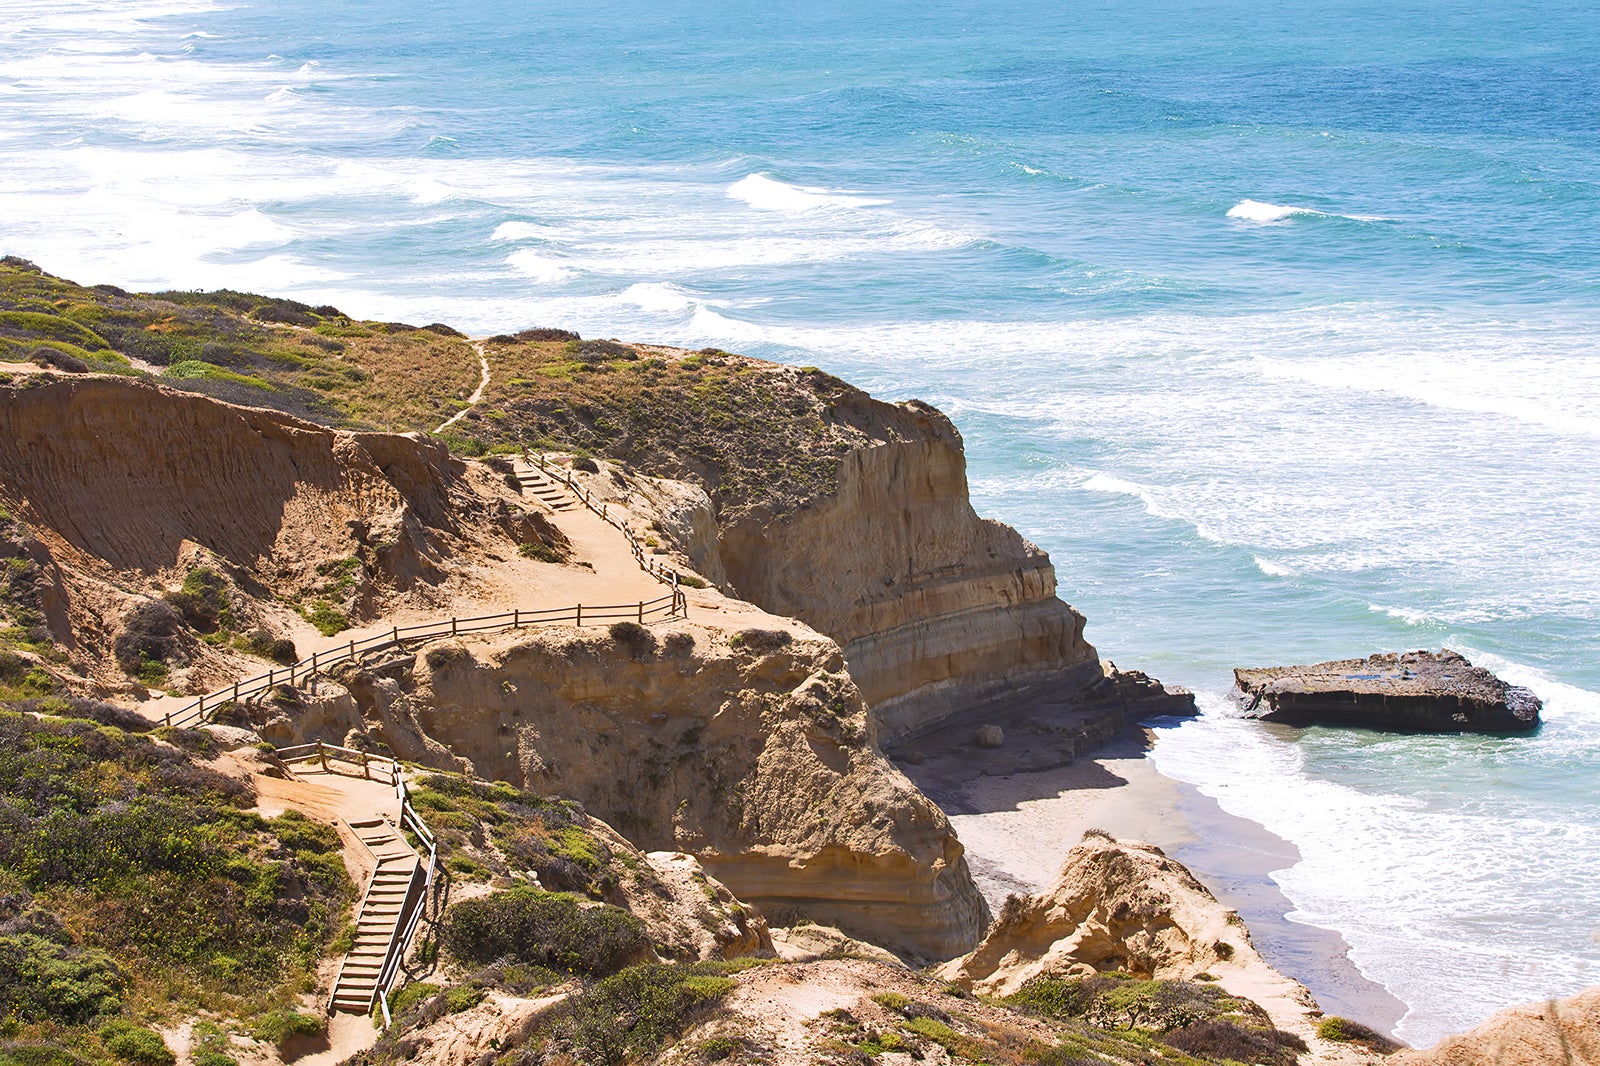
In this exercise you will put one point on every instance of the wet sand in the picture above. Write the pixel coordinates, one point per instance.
(1019, 825)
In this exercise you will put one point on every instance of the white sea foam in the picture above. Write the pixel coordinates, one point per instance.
(539, 267)
(1106, 483)
(1272, 569)
(523, 231)
(1409, 617)
(1260, 211)
(658, 298)
(769, 194)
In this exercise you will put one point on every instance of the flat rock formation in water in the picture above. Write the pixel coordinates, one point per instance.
(1417, 691)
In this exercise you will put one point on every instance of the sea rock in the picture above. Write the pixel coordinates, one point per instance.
(1418, 691)
(989, 736)
(1563, 1031)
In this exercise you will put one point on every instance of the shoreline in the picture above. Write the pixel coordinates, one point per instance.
(1018, 824)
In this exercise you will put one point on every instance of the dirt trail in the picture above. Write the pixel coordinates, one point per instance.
(477, 394)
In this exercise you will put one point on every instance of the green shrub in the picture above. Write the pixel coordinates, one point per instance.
(545, 928)
(538, 549)
(53, 327)
(632, 1014)
(133, 1043)
(46, 977)
(411, 995)
(1345, 1031)
(203, 601)
(36, 1055)
(280, 1026)
(328, 619)
(261, 642)
(152, 632)
(690, 581)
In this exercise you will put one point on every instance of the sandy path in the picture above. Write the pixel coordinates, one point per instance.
(477, 394)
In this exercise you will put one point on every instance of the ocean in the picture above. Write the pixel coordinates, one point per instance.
(1277, 325)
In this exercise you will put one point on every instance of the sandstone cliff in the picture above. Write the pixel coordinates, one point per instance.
(938, 611)
(750, 750)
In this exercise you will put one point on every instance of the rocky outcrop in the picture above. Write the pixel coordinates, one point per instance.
(1419, 691)
(1562, 1032)
(938, 611)
(752, 754)
(1116, 905)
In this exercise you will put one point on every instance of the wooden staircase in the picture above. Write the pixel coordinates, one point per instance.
(397, 889)
(544, 488)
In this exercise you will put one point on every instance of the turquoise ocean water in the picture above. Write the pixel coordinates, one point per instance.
(1277, 325)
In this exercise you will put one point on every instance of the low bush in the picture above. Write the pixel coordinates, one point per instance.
(545, 928)
(677, 645)
(1241, 1043)
(690, 581)
(1345, 1031)
(327, 618)
(152, 632)
(762, 641)
(278, 1027)
(204, 600)
(633, 1014)
(538, 549)
(46, 977)
(640, 642)
(531, 335)
(263, 643)
(133, 1043)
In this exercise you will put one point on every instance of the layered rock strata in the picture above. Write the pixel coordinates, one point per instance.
(937, 610)
(1418, 691)
(755, 755)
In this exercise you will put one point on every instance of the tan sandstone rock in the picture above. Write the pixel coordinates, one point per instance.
(1562, 1032)
(759, 762)
(937, 609)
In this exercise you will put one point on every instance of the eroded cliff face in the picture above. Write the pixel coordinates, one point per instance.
(118, 489)
(131, 473)
(753, 754)
(938, 610)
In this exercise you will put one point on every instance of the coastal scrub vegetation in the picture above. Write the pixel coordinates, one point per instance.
(757, 436)
(497, 831)
(1198, 1019)
(313, 362)
(136, 884)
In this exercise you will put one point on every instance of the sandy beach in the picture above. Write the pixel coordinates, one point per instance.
(1018, 825)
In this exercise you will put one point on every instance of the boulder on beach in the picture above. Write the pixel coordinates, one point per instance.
(1417, 691)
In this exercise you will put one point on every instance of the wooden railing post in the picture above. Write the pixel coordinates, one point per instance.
(452, 626)
(202, 706)
(579, 621)
(323, 754)
(516, 615)
(641, 610)
(366, 770)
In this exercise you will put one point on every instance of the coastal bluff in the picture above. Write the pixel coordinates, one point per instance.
(938, 610)
(1417, 691)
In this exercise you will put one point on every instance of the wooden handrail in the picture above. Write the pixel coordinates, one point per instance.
(672, 605)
